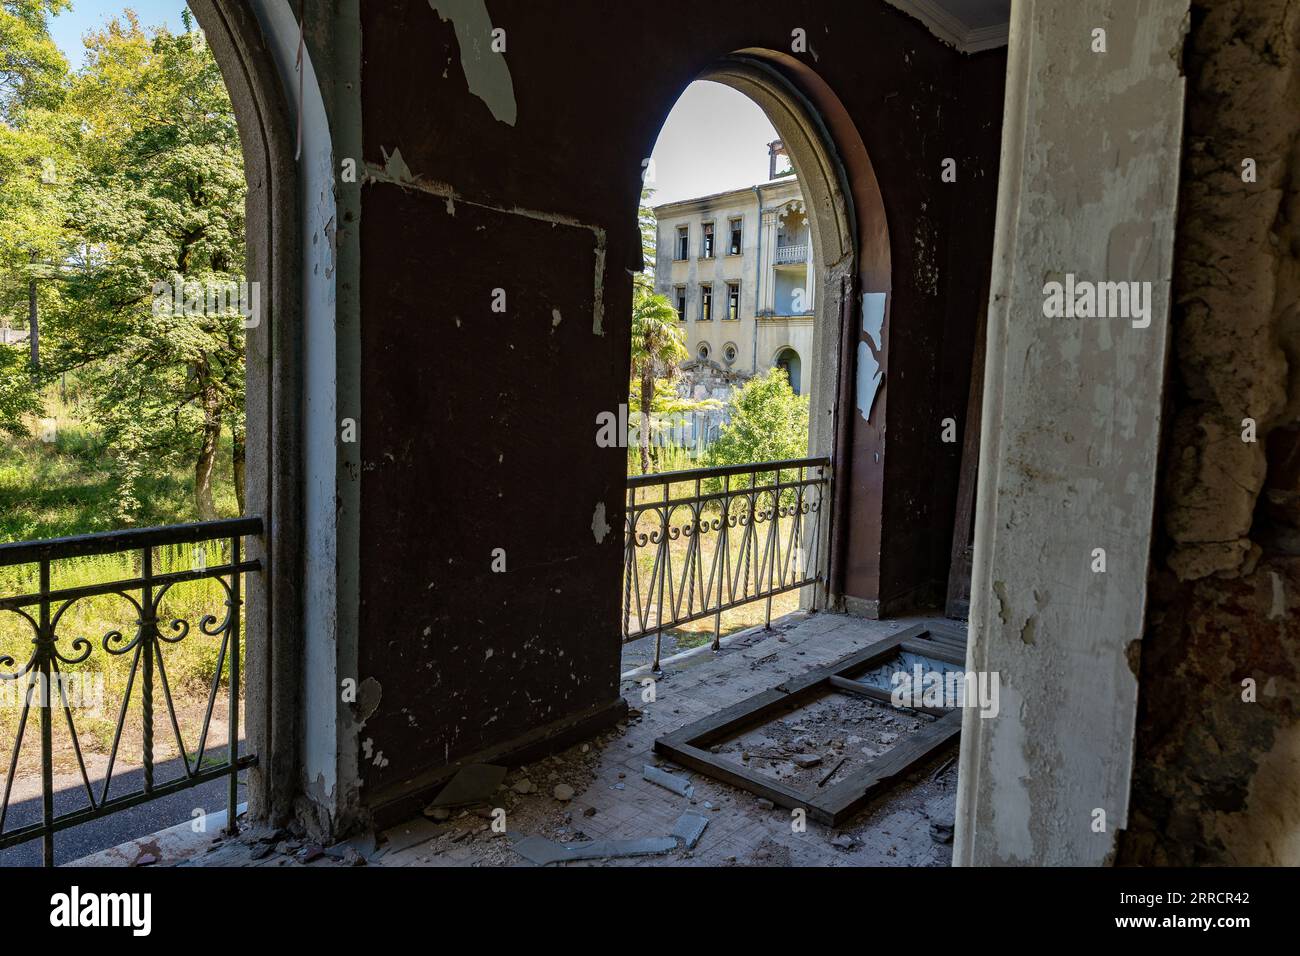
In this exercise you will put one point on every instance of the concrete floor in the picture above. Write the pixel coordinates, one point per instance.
(908, 825)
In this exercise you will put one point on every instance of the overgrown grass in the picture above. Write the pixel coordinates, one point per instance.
(66, 487)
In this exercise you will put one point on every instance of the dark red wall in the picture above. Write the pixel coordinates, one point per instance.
(478, 429)
(931, 358)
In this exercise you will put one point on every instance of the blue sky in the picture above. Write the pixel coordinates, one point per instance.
(69, 27)
(714, 139)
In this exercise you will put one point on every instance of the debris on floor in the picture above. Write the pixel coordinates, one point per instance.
(689, 828)
(686, 834)
(623, 810)
(474, 784)
(840, 716)
(668, 781)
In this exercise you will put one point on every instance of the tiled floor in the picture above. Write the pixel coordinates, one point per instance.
(607, 777)
(907, 825)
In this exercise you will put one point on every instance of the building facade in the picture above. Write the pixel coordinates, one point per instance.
(738, 268)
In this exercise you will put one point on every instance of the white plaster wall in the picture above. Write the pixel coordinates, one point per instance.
(1089, 181)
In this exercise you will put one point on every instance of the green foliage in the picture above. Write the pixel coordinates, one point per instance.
(769, 422)
(162, 201)
(658, 346)
(71, 485)
(31, 66)
(115, 179)
(658, 341)
(17, 397)
(648, 226)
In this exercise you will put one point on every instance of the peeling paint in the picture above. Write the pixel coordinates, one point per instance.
(1027, 631)
(599, 526)
(1004, 606)
(486, 72)
(870, 372)
(369, 694)
(395, 167)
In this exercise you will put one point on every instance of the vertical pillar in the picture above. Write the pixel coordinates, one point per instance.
(810, 279)
(1071, 428)
(767, 289)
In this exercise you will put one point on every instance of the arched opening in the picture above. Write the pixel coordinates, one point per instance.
(177, 309)
(781, 259)
(788, 359)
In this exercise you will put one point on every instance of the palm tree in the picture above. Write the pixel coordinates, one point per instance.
(658, 345)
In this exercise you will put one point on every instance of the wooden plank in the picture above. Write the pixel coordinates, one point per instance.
(876, 653)
(719, 725)
(876, 694)
(833, 805)
(845, 799)
(788, 695)
(936, 652)
(728, 771)
(956, 647)
(948, 632)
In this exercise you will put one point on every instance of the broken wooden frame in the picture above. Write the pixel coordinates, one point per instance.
(835, 803)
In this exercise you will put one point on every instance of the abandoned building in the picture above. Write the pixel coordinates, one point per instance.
(1097, 512)
(738, 268)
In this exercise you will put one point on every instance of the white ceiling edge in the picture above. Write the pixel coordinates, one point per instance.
(951, 29)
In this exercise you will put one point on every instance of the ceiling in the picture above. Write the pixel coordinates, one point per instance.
(969, 25)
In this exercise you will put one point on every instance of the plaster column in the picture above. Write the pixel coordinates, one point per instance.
(1071, 430)
(810, 279)
(767, 291)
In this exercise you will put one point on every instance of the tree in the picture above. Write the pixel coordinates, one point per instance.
(32, 69)
(769, 422)
(32, 83)
(161, 201)
(17, 397)
(37, 168)
(658, 346)
(648, 226)
(667, 405)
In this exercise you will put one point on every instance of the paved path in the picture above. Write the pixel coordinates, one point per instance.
(136, 822)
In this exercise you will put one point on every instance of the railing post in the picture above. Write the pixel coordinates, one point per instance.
(44, 650)
(232, 750)
(629, 555)
(774, 538)
(663, 573)
(821, 569)
(148, 627)
(723, 553)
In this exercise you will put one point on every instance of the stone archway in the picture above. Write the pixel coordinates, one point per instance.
(250, 43)
(788, 359)
(846, 217)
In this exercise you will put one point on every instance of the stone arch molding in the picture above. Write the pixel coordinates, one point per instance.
(849, 230)
(288, 156)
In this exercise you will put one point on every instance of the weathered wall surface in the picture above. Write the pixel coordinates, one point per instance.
(1217, 778)
(922, 489)
(1088, 186)
(521, 172)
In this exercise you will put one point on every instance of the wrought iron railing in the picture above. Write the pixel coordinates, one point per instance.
(704, 541)
(42, 680)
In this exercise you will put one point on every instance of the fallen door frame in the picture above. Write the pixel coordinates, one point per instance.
(833, 805)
